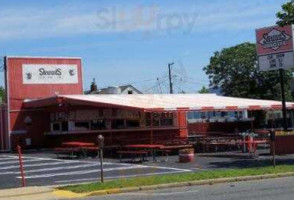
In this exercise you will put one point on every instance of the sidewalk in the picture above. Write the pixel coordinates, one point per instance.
(31, 193)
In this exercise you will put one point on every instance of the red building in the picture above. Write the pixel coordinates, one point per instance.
(46, 105)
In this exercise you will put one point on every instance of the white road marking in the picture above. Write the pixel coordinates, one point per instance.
(2, 159)
(171, 168)
(16, 161)
(159, 194)
(49, 169)
(39, 158)
(82, 172)
(32, 165)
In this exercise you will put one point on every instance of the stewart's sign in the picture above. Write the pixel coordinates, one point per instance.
(49, 74)
(275, 48)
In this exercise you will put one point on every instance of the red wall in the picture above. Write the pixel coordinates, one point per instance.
(284, 144)
(17, 92)
(182, 123)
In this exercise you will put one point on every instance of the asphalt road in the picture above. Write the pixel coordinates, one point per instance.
(270, 189)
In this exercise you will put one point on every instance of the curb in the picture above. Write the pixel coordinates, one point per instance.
(68, 194)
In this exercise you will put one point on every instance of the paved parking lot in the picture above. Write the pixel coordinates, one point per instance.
(43, 168)
(51, 171)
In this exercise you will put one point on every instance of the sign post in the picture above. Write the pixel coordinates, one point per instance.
(100, 139)
(273, 138)
(21, 166)
(275, 52)
(285, 124)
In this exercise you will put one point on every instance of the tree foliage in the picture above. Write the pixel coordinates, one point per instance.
(2, 94)
(234, 71)
(204, 90)
(286, 16)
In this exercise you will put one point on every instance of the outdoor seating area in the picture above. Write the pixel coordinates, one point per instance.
(76, 149)
(162, 148)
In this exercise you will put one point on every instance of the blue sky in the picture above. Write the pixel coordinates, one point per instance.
(122, 42)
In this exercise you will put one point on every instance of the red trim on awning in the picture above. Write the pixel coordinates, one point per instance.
(207, 108)
(232, 108)
(254, 108)
(276, 106)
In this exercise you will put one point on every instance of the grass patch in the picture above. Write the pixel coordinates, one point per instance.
(176, 178)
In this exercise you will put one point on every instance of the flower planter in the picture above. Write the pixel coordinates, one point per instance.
(186, 155)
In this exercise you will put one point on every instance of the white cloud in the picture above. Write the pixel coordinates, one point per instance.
(28, 22)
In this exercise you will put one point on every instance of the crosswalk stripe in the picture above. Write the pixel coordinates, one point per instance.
(16, 161)
(32, 165)
(2, 159)
(49, 169)
(52, 163)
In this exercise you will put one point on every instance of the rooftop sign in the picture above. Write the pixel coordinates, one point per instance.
(49, 74)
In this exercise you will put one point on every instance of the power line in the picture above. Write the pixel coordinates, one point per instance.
(154, 86)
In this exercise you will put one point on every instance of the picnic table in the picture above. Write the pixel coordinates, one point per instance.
(153, 148)
(76, 147)
(149, 147)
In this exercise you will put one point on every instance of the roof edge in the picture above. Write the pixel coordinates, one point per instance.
(45, 57)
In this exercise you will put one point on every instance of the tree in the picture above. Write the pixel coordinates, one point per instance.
(286, 16)
(234, 72)
(2, 94)
(204, 90)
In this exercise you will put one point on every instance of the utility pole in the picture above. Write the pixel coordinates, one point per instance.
(170, 78)
(284, 111)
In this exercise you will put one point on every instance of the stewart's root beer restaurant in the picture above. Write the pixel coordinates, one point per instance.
(45, 106)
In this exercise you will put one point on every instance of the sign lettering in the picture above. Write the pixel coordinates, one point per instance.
(49, 74)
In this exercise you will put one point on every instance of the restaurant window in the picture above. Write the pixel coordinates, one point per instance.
(156, 119)
(59, 126)
(224, 114)
(166, 122)
(81, 126)
(118, 124)
(132, 123)
(56, 126)
(64, 126)
(148, 119)
(148, 122)
(203, 115)
(166, 119)
(98, 124)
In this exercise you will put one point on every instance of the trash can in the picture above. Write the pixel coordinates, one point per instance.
(186, 155)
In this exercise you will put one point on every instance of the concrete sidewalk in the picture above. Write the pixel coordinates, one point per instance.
(31, 193)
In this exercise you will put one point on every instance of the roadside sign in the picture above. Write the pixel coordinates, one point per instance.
(276, 61)
(275, 48)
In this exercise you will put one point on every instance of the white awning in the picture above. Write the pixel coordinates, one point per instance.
(167, 102)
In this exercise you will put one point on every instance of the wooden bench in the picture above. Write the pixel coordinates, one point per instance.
(67, 150)
(133, 153)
